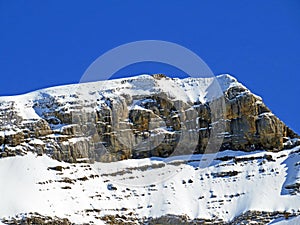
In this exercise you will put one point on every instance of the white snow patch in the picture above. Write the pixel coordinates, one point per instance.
(30, 187)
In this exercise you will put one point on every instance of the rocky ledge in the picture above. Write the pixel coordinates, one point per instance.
(140, 117)
(249, 217)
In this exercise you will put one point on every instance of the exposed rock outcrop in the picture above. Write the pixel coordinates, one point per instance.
(260, 217)
(139, 117)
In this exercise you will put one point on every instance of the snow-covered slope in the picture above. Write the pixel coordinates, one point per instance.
(235, 183)
(234, 186)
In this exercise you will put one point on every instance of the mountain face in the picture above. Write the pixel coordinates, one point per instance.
(139, 117)
(147, 150)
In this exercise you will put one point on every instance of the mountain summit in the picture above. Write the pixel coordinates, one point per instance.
(147, 150)
(139, 117)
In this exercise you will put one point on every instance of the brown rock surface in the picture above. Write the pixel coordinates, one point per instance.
(114, 127)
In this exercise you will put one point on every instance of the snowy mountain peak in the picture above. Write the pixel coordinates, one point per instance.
(174, 106)
(146, 150)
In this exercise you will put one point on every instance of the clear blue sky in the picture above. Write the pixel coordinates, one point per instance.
(52, 42)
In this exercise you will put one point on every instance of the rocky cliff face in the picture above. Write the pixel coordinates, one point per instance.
(140, 117)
